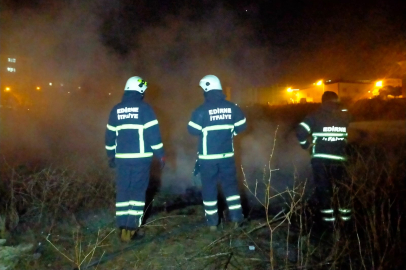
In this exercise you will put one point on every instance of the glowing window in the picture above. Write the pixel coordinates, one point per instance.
(9, 69)
(12, 60)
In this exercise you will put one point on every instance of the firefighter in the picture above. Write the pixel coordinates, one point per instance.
(132, 138)
(325, 133)
(216, 122)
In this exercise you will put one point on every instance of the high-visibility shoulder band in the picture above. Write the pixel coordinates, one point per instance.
(329, 219)
(194, 125)
(218, 127)
(151, 123)
(241, 122)
(210, 203)
(326, 156)
(210, 212)
(157, 146)
(121, 213)
(306, 126)
(326, 211)
(330, 134)
(233, 198)
(137, 155)
(344, 211)
(135, 212)
(233, 207)
(129, 126)
(216, 156)
(122, 204)
(111, 128)
(304, 142)
(110, 147)
(136, 203)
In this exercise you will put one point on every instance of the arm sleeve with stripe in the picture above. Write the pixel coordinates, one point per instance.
(110, 136)
(152, 133)
(303, 132)
(240, 122)
(195, 124)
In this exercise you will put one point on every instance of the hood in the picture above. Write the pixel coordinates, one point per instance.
(214, 95)
(132, 95)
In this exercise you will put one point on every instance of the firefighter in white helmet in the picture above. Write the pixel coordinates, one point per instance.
(132, 138)
(216, 122)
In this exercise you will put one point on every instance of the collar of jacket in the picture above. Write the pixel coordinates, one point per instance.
(214, 95)
(132, 95)
(330, 106)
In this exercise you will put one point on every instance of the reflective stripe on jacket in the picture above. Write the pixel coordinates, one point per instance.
(216, 122)
(132, 132)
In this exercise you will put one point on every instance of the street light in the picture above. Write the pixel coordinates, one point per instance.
(7, 89)
(379, 84)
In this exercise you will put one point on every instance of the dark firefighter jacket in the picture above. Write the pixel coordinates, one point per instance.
(132, 133)
(216, 122)
(325, 130)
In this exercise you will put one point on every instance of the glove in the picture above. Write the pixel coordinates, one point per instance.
(112, 162)
(162, 162)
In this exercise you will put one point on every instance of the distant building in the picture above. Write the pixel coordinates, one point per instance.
(348, 91)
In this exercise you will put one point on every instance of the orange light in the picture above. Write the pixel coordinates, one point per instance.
(38, 88)
(379, 84)
(319, 82)
(290, 89)
(7, 89)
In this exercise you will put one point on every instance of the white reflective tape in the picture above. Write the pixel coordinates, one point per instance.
(344, 211)
(157, 146)
(329, 219)
(330, 134)
(216, 156)
(241, 122)
(140, 155)
(141, 137)
(210, 203)
(233, 198)
(111, 128)
(121, 213)
(326, 156)
(129, 126)
(151, 123)
(135, 212)
(233, 207)
(210, 212)
(304, 142)
(194, 125)
(136, 203)
(345, 218)
(122, 204)
(327, 211)
(218, 127)
(306, 126)
(110, 147)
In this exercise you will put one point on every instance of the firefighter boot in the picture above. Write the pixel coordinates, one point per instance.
(125, 235)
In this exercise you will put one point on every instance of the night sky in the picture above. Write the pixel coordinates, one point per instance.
(258, 42)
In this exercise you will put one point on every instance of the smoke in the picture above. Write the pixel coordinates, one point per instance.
(93, 47)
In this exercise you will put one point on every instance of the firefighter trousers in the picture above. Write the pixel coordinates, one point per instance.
(131, 186)
(332, 192)
(224, 173)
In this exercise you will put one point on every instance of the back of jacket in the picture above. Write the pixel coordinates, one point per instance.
(216, 122)
(132, 133)
(325, 130)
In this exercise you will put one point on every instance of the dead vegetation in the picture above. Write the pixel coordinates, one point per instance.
(69, 218)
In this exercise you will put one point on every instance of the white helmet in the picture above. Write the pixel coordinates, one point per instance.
(136, 84)
(210, 82)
